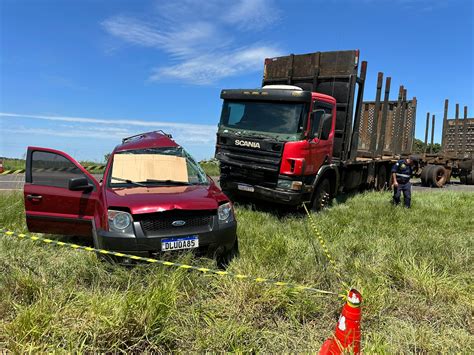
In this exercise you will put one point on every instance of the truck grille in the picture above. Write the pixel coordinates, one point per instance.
(247, 165)
(161, 223)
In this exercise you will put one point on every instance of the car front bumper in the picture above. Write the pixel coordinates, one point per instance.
(137, 243)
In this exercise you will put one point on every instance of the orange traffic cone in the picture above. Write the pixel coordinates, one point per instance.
(347, 335)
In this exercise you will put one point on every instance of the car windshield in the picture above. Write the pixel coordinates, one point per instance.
(274, 117)
(168, 166)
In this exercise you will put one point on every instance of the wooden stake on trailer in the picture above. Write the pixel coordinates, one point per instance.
(381, 143)
(432, 133)
(375, 122)
(426, 131)
(464, 132)
(444, 141)
(456, 131)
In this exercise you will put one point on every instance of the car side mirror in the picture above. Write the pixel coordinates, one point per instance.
(79, 184)
(326, 126)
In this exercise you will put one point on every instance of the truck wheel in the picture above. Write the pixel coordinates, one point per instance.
(322, 195)
(437, 176)
(462, 179)
(381, 182)
(425, 173)
(470, 178)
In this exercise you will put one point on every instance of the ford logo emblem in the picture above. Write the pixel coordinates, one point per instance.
(178, 223)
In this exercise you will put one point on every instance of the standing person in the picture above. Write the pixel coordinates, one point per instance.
(402, 171)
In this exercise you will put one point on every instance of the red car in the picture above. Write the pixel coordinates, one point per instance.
(153, 198)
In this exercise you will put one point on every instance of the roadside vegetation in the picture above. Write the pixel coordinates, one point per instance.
(211, 167)
(413, 267)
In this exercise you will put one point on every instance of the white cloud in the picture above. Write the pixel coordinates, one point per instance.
(206, 69)
(200, 37)
(252, 14)
(183, 133)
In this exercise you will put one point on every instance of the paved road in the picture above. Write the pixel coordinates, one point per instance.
(15, 182)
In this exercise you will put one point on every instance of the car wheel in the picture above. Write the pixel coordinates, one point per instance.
(322, 196)
(223, 259)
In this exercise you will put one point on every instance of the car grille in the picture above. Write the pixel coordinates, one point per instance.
(161, 223)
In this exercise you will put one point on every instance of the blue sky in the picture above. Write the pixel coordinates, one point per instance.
(79, 75)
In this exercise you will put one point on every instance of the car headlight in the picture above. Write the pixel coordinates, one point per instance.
(120, 221)
(225, 213)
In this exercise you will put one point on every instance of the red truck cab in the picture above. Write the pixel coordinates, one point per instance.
(154, 197)
(272, 141)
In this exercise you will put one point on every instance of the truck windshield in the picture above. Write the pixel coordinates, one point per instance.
(168, 166)
(274, 117)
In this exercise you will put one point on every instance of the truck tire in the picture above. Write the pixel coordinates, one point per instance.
(322, 195)
(381, 182)
(425, 173)
(470, 178)
(437, 176)
(462, 179)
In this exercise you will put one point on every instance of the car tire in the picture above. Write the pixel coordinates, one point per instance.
(322, 196)
(223, 259)
(437, 176)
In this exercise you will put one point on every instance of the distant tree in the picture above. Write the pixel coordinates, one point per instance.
(106, 157)
(419, 147)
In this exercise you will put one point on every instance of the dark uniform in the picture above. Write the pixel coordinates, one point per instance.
(403, 173)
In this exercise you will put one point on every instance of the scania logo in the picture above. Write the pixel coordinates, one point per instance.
(178, 223)
(247, 144)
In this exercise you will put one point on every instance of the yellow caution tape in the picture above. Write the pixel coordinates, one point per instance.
(322, 242)
(12, 172)
(204, 270)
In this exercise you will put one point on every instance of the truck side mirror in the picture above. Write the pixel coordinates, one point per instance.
(325, 126)
(79, 184)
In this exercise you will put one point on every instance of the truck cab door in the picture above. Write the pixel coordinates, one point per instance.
(60, 195)
(321, 133)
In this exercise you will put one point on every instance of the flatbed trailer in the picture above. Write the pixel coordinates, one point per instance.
(340, 142)
(457, 151)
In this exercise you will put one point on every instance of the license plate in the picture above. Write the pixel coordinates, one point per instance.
(247, 188)
(189, 242)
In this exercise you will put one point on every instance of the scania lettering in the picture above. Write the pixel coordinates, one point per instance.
(315, 135)
(247, 144)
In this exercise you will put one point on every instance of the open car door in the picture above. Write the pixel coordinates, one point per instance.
(60, 195)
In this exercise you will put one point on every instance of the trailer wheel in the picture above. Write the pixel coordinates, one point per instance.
(381, 182)
(425, 173)
(470, 178)
(437, 176)
(322, 195)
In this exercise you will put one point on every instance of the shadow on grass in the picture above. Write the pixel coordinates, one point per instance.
(282, 211)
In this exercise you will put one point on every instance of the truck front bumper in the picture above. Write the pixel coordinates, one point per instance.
(219, 238)
(292, 198)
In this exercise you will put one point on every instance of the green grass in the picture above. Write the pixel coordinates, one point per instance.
(413, 267)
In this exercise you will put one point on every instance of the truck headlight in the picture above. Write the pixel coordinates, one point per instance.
(289, 184)
(120, 221)
(225, 213)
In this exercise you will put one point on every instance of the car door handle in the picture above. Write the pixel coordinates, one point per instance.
(34, 197)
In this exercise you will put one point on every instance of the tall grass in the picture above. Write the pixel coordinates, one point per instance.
(414, 268)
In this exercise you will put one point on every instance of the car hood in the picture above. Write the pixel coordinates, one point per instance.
(164, 198)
